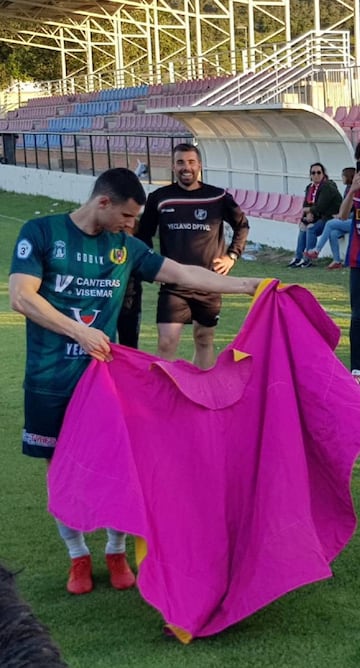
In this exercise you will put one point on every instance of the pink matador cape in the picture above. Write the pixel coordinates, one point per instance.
(237, 479)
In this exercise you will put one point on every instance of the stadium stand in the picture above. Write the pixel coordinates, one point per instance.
(128, 120)
(69, 113)
(123, 110)
(274, 206)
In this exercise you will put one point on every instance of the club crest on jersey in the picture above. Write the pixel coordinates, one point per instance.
(87, 320)
(118, 255)
(59, 251)
(200, 214)
(24, 249)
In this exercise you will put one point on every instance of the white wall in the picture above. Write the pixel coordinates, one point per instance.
(69, 187)
(273, 233)
(278, 234)
(59, 185)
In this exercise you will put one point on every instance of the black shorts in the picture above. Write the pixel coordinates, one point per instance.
(44, 414)
(184, 309)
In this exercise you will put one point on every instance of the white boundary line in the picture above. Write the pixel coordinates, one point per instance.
(18, 220)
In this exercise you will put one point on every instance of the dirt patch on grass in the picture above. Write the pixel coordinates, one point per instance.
(267, 254)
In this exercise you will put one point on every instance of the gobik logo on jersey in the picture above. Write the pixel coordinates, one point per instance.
(85, 319)
(118, 255)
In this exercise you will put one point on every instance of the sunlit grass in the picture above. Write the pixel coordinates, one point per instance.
(315, 627)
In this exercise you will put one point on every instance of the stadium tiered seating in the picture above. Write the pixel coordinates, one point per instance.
(289, 207)
(106, 111)
(352, 117)
(182, 93)
(349, 121)
(122, 110)
(274, 206)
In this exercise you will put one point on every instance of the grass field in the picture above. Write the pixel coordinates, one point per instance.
(315, 627)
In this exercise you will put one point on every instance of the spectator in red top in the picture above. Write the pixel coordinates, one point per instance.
(322, 200)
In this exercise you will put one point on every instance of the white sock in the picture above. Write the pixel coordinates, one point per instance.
(116, 543)
(74, 540)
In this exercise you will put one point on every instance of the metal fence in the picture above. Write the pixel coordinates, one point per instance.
(149, 155)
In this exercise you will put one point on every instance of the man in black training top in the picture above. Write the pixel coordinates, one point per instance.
(190, 216)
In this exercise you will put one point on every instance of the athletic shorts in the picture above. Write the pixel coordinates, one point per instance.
(173, 307)
(44, 414)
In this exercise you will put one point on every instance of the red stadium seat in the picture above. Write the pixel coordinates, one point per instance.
(249, 201)
(239, 196)
(260, 204)
(271, 206)
(340, 114)
(283, 207)
(352, 117)
(296, 211)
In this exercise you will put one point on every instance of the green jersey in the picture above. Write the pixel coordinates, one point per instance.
(84, 277)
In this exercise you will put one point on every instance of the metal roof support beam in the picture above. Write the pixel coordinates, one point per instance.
(162, 40)
(119, 53)
(89, 57)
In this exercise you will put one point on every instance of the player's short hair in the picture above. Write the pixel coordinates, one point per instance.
(119, 184)
(186, 147)
(348, 173)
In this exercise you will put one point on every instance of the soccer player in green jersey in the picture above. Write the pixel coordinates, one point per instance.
(68, 278)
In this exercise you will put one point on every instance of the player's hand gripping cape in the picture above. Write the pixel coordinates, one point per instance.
(237, 478)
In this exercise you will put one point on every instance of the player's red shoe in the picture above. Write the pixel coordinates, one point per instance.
(121, 575)
(80, 576)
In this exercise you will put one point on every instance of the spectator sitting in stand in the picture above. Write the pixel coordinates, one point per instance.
(322, 200)
(334, 229)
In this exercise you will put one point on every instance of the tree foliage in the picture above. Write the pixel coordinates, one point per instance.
(18, 62)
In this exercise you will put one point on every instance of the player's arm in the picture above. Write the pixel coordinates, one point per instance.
(148, 222)
(25, 299)
(347, 203)
(240, 225)
(198, 278)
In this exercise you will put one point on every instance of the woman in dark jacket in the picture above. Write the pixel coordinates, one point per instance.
(322, 200)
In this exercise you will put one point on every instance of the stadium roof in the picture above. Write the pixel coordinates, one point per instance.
(146, 39)
(51, 9)
(154, 40)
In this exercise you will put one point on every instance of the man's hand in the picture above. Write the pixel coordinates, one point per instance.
(94, 342)
(223, 264)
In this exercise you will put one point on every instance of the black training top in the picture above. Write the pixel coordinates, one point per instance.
(190, 223)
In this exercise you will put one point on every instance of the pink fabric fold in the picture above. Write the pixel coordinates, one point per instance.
(238, 478)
